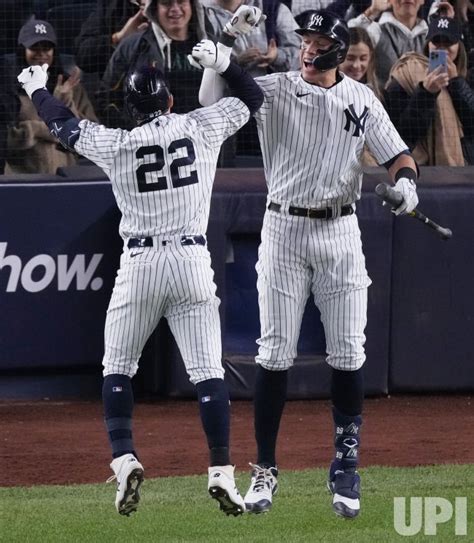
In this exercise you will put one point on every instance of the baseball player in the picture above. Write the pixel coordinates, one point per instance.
(313, 125)
(162, 174)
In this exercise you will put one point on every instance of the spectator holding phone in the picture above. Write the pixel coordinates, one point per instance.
(434, 109)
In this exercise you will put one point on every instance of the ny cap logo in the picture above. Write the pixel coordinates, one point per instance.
(357, 120)
(443, 23)
(316, 20)
(40, 29)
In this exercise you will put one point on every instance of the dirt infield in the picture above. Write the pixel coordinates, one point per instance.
(65, 442)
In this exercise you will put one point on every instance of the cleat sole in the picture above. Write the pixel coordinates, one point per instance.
(129, 502)
(225, 503)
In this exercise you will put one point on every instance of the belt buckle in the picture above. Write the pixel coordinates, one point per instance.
(141, 242)
(319, 213)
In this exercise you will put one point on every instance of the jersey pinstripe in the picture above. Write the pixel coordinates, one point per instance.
(312, 138)
(162, 172)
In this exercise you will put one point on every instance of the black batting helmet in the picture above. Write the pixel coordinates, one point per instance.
(146, 93)
(326, 23)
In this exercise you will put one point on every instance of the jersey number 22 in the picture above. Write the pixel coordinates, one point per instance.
(161, 182)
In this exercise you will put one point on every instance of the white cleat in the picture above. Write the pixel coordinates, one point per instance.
(345, 489)
(263, 486)
(129, 475)
(222, 488)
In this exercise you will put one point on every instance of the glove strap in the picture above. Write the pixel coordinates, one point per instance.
(406, 172)
(226, 39)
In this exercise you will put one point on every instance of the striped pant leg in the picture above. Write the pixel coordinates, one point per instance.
(339, 287)
(283, 286)
(134, 311)
(344, 317)
(193, 313)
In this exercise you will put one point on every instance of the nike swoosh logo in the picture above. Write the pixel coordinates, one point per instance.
(299, 95)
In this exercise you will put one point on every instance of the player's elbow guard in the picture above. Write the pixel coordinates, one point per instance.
(67, 132)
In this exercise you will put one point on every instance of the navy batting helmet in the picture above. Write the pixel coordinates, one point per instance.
(146, 93)
(326, 23)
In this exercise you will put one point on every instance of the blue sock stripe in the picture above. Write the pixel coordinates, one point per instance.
(120, 434)
(121, 447)
(119, 423)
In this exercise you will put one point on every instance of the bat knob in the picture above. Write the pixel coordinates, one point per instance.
(446, 233)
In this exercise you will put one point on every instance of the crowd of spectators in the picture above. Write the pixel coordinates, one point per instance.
(389, 51)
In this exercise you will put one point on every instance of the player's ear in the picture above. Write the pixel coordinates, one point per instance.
(170, 102)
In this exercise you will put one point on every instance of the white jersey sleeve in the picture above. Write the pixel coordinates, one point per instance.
(382, 138)
(99, 144)
(221, 120)
(268, 84)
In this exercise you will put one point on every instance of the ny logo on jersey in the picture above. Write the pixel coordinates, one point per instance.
(358, 121)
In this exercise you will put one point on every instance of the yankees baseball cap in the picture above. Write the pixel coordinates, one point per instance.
(34, 31)
(444, 28)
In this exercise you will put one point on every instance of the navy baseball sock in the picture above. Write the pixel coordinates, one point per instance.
(270, 397)
(214, 409)
(117, 397)
(347, 391)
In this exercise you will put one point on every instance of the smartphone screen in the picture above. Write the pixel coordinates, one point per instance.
(438, 57)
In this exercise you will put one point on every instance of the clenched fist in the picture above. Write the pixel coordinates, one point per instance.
(33, 78)
(244, 20)
(407, 188)
(205, 54)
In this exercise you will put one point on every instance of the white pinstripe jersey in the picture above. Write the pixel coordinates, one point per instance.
(162, 172)
(312, 138)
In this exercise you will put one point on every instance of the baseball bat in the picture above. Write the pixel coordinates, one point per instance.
(394, 198)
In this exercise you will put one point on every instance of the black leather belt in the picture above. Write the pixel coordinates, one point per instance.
(312, 213)
(148, 242)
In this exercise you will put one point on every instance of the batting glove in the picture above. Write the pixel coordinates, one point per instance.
(33, 78)
(244, 20)
(407, 188)
(205, 54)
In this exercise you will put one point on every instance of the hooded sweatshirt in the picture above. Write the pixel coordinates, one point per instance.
(391, 40)
(152, 46)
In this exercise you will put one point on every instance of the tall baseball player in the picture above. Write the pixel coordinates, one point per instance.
(312, 128)
(162, 174)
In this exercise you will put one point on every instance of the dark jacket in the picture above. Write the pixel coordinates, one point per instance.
(94, 43)
(414, 114)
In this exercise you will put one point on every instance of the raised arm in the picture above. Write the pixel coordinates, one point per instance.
(207, 55)
(244, 20)
(60, 119)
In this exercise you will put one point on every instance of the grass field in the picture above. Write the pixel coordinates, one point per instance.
(179, 510)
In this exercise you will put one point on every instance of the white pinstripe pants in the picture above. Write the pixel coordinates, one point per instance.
(299, 256)
(176, 282)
